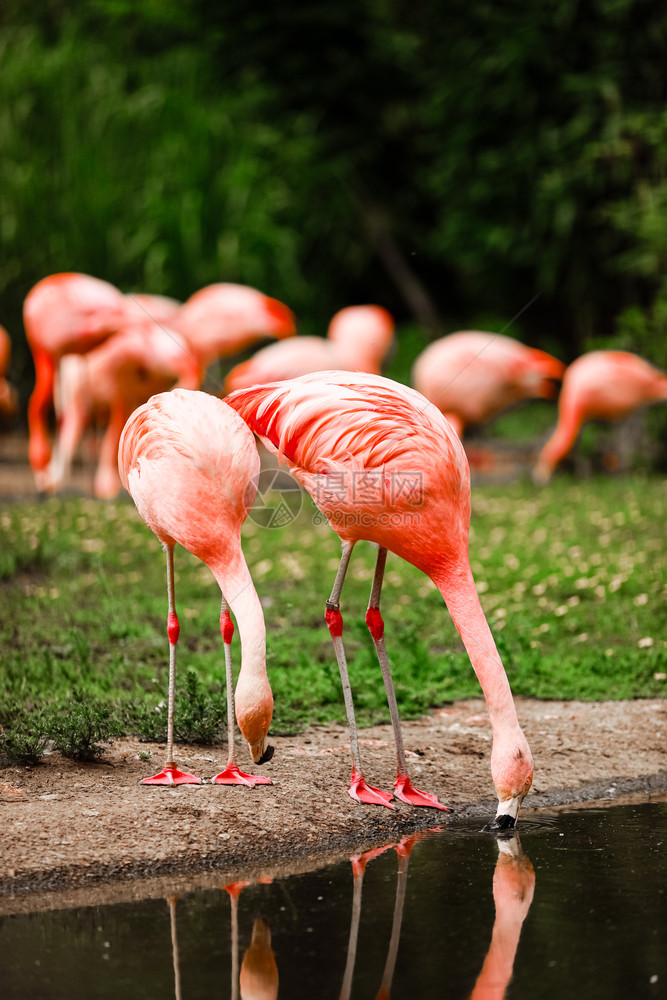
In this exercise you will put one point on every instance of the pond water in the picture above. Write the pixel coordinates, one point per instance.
(577, 907)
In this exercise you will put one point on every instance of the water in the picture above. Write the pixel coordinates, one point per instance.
(576, 908)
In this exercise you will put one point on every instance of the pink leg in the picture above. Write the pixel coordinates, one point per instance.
(170, 775)
(403, 788)
(358, 789)
(232, 775)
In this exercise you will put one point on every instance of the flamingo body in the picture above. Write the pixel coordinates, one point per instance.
(600, 385)
(384, 465)
(108, 383)
(191, 467)
(8, 401)
(159, 308)
(357, 340)
(223, 319)
(472, 376)
(63, 314)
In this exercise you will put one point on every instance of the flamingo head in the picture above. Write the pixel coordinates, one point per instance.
(254, 710)
(512, 771)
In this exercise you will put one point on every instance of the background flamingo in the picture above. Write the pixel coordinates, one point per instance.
(384, 465)
(473, 376)
(357, 340)
(159, 308)
(601, 385)
(63, 314)
(8, 401)
(106, 385)
(191, 466)
(223, 319)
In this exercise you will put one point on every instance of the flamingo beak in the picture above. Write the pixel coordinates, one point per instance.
(261, 751)
(506, 816)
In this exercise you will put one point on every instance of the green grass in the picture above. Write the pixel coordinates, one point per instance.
(572, 579)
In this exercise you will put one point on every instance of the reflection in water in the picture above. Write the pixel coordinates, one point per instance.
(171, 903)
(513, 887)
(600, 922)
(259, 972)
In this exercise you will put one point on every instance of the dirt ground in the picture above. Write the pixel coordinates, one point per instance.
(71, 830)
(77, 833)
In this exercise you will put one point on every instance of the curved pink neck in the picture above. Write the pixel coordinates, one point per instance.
(460, 595)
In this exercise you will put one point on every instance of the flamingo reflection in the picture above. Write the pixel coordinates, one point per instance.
(513, 888)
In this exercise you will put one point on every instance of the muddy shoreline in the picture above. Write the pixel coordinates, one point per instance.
(86, 834)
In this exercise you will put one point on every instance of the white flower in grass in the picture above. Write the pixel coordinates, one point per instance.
(646, 642)
(561, 610)
(640, 599)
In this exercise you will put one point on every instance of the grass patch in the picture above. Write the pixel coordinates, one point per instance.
(571, 577)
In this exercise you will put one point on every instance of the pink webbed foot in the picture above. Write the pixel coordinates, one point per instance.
(404, 791)
(171, 775)
(362, 792)
(232, 775)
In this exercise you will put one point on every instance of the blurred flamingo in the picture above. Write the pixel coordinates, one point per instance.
(106, 385)
(216, 321)
(8, 401)
(473, 376)
(159, 308)
(600, 385)
(223, 319)
(384, 465)
(357, 340)
(191, 467)
(65, 313)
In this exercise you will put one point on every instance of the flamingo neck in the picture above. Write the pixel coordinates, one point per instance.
(241, 596)
(460, 595)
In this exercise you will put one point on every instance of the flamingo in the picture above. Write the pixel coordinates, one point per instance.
(191, 467)
(8, 401)
(108, 383)
(63, 314)
(159, 308)
(357, 340)
(473, 376)
(222, 319)
(383, 465)
(600, 385)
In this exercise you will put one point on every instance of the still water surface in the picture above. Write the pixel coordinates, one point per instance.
(576, 908)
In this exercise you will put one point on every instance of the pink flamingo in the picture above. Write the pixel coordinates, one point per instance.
(63, 314)
(159, 308)
(357, 340)
(223, 319)
(384, 465)
(600, 385)
(473, 376)
(8, 402)
(191, 467)
(107, 384)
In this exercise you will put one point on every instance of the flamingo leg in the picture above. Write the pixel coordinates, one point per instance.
(358, 788)
(232, 775)
(171, 775)
(403, 788)
(171, 903)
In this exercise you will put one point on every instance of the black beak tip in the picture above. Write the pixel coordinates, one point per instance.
(500, 824)
(266, 756)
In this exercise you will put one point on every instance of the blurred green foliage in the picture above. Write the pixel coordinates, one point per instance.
(450, 163)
